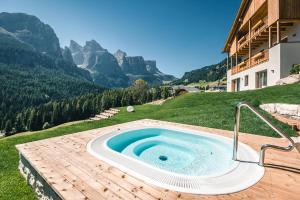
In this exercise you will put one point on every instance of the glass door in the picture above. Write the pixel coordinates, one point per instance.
(261, 79)
(238, 84)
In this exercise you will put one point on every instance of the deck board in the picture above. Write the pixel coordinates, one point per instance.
(75, 174)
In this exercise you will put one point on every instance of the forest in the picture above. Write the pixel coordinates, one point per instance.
(82, 107)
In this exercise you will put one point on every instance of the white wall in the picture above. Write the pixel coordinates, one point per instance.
(229, 80)
(274, 65)
(290, 55)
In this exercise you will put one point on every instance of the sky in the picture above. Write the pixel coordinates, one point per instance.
(181, 35)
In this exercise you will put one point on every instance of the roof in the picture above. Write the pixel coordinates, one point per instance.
(244, 5)
(186, 88)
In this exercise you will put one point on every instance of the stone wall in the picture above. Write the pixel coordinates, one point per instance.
(38, 184)
(290, 110)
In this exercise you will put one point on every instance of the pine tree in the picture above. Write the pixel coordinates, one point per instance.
(8, 127)
(86, 108)
(32, 124)
(165, 92)
(19, 123)
(55, 114)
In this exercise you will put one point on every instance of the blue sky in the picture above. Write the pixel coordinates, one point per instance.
(181, 35)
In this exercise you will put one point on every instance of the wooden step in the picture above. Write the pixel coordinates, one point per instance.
(107, 114)
(114, 109)
(292, 122)
(111, 111)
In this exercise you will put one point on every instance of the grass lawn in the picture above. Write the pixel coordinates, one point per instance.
(214, 110)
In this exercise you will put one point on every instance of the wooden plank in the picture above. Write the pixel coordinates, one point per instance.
(112, 173)
(71, 145)
(90, 187)
(289, 9)
(273, 11)
(89, 169)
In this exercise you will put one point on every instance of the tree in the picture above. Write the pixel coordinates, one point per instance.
(140, 84)
(55, 114)
(156, 93)
(105, 101)
(87, 108)
(165, 92)
(19, 123)
(8, 127)
(32, 122)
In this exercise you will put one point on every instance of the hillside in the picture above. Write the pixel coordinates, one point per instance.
(214, 110)
(209, 73)
(33, 67)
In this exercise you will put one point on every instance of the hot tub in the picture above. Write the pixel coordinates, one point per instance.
(179, 159)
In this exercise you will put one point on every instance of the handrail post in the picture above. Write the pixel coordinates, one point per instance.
(236, 131)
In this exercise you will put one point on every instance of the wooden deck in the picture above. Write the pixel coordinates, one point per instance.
(74, 174)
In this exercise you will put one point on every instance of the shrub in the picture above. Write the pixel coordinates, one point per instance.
(295, 69)
(255, 103)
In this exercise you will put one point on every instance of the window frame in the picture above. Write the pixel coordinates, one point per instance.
(246, 80)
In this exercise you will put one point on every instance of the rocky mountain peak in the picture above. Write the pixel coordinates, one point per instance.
(92, 46)
(120, 56)
(136, 65)
(30, 30)
(74, 46)
(151, 66)
(77, 52)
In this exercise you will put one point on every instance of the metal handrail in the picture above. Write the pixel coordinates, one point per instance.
(265, 146)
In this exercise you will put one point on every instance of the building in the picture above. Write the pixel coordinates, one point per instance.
(263, 43)
(181, 88)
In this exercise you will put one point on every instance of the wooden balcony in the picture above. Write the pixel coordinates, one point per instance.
(249, 63)
(255, 33)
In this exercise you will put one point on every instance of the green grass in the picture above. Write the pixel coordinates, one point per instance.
(205, 109)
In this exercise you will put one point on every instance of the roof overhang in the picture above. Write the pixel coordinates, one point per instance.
(244, 5)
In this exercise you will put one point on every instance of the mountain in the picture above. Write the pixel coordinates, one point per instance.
(30, 30)
(33, 67)
(208, 73)
(136, 65)
(101, 64)
(115, 70)
(67, 55)
(77, 53)
(121, 59)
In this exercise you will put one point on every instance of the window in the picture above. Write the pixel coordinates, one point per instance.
(246, 80)
(261, 80)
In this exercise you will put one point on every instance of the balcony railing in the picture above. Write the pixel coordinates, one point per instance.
(259, 27)
(257, 59)
(260, 58)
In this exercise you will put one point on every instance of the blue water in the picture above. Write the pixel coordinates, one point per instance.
(175, 151)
